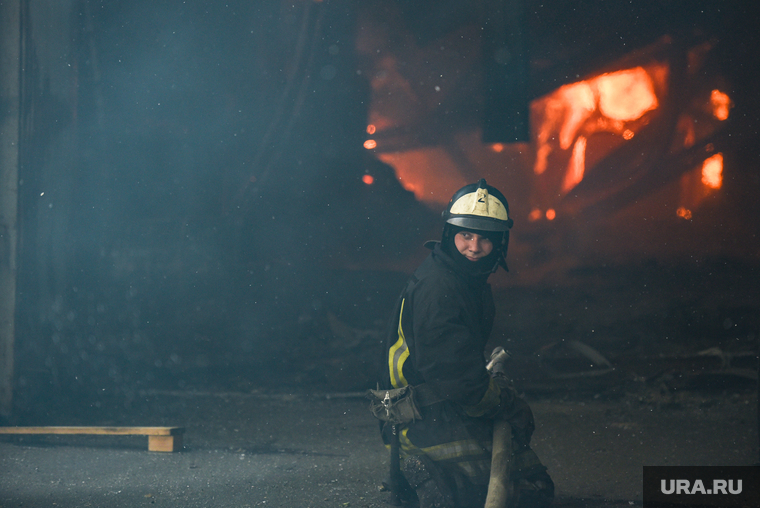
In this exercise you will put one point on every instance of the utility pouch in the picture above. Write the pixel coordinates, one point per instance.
(396, 406)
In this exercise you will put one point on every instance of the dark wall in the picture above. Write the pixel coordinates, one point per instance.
(192, 195)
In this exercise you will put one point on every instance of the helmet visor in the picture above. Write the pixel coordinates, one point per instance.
(479, 223)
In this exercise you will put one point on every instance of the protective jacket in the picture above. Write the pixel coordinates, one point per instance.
(439, 333)
(437, 338)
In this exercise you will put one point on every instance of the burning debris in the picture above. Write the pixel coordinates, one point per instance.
(601, 138)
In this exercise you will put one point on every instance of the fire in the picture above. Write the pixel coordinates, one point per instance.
(536, 214)
(576, 166)
(430, 173)
(721, 103)
(601, 104)
(699, 183)
(626, 95)
(368, 179)
(576, 126)
(712, 171)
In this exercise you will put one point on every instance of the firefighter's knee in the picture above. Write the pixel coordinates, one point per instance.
(427, 481)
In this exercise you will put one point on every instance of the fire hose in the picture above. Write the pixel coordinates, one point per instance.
(500, 488)
(500, 484)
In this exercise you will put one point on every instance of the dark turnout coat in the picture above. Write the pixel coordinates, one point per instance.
(437, 336)
(436, 340)
(439, 332)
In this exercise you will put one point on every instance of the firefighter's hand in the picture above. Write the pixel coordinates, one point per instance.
(516, 411)
(520, 418)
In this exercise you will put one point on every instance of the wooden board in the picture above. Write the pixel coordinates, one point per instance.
(120, 431)
(160, 439)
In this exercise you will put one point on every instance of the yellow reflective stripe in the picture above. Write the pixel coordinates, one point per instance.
(406, 446)
(454, 450)
(398, 354)
(467, 454)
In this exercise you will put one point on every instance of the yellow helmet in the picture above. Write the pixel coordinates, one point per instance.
(479, 206)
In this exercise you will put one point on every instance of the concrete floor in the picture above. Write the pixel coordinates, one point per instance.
(288, 450)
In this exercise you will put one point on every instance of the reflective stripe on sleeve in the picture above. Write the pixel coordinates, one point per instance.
(398, 354)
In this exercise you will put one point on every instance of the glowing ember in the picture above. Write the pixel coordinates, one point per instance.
(712, 171)
(720, 104)
(551, 214)
(534, 215)
(497, 147)
(370, 144)
(628, 134)
(368, 179)
(684, 213)
(371, 129)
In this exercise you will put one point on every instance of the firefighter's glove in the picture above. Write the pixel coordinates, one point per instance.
(504, 395)
(520, 418)
(507, 392)
(515, 411)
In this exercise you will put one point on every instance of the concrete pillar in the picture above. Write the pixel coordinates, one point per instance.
(9, 136)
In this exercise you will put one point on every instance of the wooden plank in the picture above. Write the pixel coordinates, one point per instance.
(119, 431)
(164, 443)
(160, 439)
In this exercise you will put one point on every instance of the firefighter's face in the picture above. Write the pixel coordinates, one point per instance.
(472, 245)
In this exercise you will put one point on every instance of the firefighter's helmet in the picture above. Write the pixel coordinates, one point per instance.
(479, 206)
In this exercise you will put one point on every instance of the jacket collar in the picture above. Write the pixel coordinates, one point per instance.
(440, 256)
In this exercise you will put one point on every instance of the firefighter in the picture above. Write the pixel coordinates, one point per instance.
(436, 343)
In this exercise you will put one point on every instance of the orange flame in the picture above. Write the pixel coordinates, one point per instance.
(712, 171)
(601, 104)
(626, 95)
(684, 213)
(577, 164)
(721, 104)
